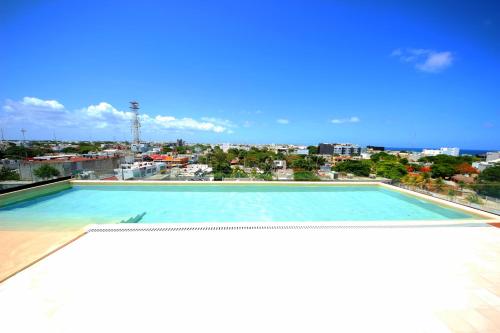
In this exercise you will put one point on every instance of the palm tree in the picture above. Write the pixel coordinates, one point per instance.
(439, 183)
(452, 193)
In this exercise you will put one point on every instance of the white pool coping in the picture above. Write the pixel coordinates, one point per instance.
(248, 280)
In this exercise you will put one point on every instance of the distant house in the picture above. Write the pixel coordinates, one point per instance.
(69, 165)
(170, 161)
(464, 179)
(481, 166)
(441, 151)
(343, 149)
(375, 148)
(491, 156)
(301, 152)
(279, 164)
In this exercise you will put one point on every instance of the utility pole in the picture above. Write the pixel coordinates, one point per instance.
(23, 131)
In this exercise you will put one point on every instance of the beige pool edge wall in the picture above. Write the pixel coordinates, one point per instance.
(32, 192)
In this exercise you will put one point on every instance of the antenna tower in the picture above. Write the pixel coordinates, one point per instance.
(136, 124)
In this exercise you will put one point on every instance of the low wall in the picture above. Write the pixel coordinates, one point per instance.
(33, 191)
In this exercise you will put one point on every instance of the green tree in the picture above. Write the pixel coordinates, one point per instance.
(439, 184)
(358, 168)
(86, 148)
(220, 164)
(305, 176)
(488, 182)
(6, 174)
(70, 150)
(382, 156)
(312, 150)
(238, 173)
(442, 170)
(391, 169)
(18, 152)
(46, 171)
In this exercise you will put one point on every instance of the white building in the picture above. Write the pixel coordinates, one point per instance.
(492, 155)
(481, 166)
(441, 151)
(139, 170)
(279, 164)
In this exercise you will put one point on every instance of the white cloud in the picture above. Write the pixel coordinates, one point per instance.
(188, 124)
(352, 119)
(34, 110)
(51, 113)
(283, 121)
(51, 104)
(425, 60)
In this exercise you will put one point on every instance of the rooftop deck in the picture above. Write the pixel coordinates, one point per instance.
(343, 279)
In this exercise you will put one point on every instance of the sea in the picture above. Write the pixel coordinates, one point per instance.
(473, 152)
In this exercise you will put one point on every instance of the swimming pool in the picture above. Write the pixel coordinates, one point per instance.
(85, 204)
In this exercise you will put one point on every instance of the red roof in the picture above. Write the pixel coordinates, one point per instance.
(71, 159)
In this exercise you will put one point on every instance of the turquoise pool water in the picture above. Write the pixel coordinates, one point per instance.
(86, 204)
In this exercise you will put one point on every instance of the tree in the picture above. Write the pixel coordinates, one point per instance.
(17, 152)
(238, 173)
(312, 150)
(391, 169)
(488, 182)
(491, 174)
(86, 148)
(220, 164)
(166, 149)
(6, 174)
(358, 168)
(474, 198)
(382, 156)
(439, 184)
(303, 163)
(305, 176)
(70, 150)
(465, 168)
(443, 170)
(46, 171)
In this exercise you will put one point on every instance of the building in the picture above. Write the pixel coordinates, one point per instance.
(279, 164)
(9, 164)
(450, 151)
(70, 165)
(139, 147)
(138, 170)
(441, 151)
(170, 161)
(343, 149)
(375, 148)
(304, 151)
(481, 166)
(490, 156)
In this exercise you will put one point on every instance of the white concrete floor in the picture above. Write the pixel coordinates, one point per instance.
(444, 279)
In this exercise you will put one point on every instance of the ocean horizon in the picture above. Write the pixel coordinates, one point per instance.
(462, 151)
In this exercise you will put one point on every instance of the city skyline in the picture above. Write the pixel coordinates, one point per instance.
(399, 75)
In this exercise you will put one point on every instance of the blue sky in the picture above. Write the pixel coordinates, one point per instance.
(418, 74)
